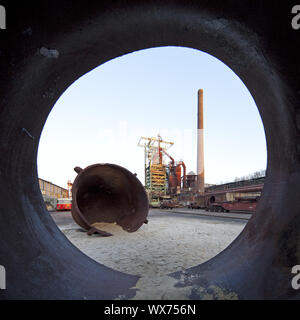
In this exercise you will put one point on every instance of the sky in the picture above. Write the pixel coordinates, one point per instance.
(102, 115)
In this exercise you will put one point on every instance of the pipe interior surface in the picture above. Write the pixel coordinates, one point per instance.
(108, 193)
(49, 45)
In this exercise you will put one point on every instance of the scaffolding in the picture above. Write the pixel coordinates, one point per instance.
(155, 179)
(155, 169)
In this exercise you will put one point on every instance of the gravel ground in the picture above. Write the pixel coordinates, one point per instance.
(168, 243)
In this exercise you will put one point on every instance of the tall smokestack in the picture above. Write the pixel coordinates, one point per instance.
(200, 144)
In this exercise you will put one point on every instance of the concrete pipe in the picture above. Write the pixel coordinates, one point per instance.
(48, 45)
(108, 193)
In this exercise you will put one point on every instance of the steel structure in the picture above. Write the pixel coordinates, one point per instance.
(155, 169)
(200, 144)
(105, 192)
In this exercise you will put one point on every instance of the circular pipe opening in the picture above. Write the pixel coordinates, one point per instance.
(101, 35)
(207, 239)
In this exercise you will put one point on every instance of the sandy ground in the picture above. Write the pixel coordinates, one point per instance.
(168, 243)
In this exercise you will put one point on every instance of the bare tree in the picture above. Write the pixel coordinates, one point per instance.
(254, 175)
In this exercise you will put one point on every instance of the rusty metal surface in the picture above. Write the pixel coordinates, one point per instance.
(200, 144)
(108, 193)
(251, 188)
(253, 38)
(200, 109)
(236, 184)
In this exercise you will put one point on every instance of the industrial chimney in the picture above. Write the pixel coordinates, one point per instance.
(200, 144)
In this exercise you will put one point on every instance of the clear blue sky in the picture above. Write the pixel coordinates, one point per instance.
(101, 116)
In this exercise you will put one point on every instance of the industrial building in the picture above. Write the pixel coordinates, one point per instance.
(51, 192)
(169, 179)
(168, 184)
